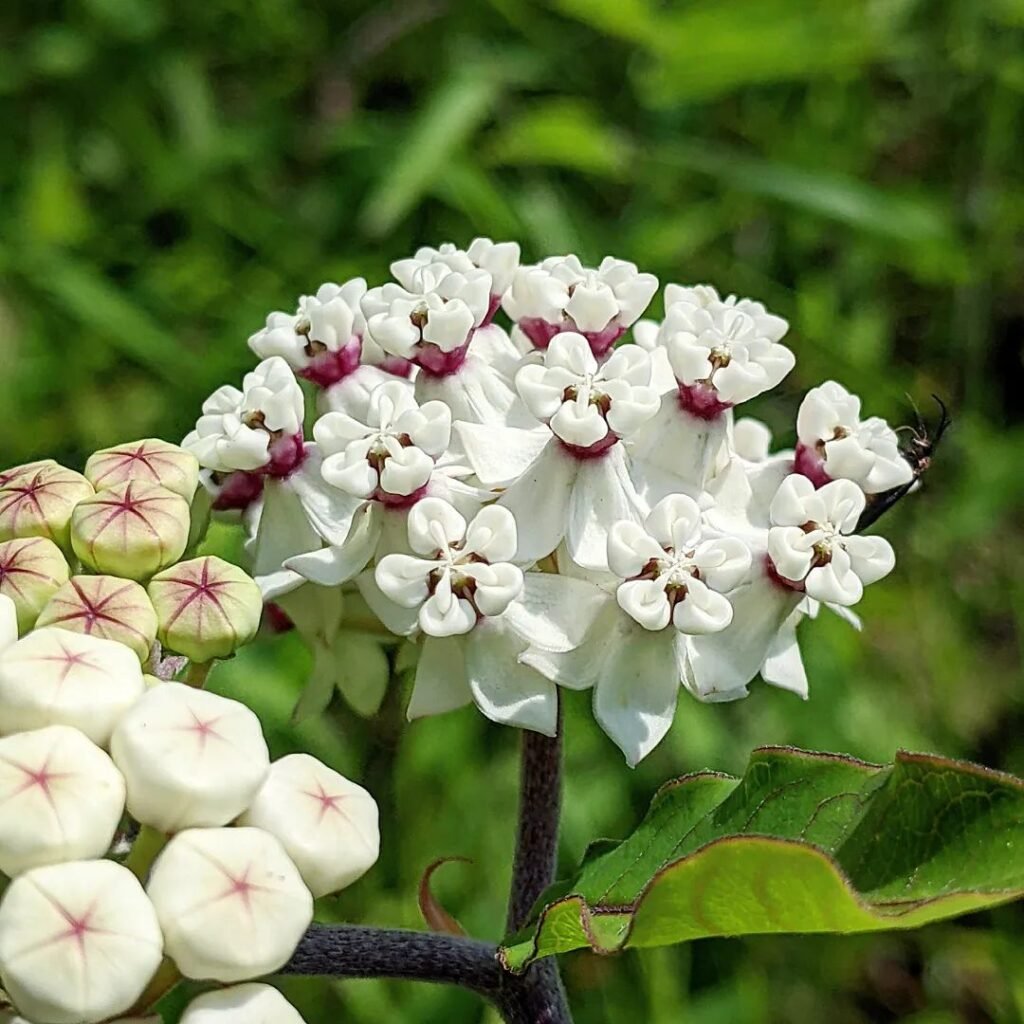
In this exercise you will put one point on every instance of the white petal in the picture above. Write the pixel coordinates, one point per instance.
(871, 558)
(497, 586)
(329, 511)
(835, 582)
(403, 579)
(630, 548)
(406, 471)
(579, 423)
(441, 683)
(701, 611)
(400, 621)
(646, 602)
(539, 502)
(789, 506)
(783, 666)
(554, 613)
(337, 564)
(434, 524)
(842, 502)
(751, 439)
(500, 455)
(723, 562)
(789, 551)
(674, 521)
(283, 529)
(492, 534)
(446, 614)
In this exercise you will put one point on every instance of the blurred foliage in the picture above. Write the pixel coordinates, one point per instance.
(170, 172)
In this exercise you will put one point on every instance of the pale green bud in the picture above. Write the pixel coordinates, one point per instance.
(206, 608)
(107, 607)
(131, 530)
(32, 570)
(39, 503)
(150, 461)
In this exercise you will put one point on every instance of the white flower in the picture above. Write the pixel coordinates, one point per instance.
(78, 941)
(389, 457)
(327, 824)
(8, 622)
(499, 259)
(811, 542)
(479, 613)
(242, 1004)
(671, 574)
(190, 758)
(706, 296)
(570, 480)
(322, 340)
(432, 320)
(256, 428)
(54, 677)
(230, 902)
(61, 798)
(720, 356)
(834, 443)
(560, 294)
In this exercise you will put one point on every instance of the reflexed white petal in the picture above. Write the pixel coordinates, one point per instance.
(433, 525)
(602, 495)
(646, 602)
(441, 683)
(701, 611)
(329, 511)
(478, 392)
(500, 455)
(505, 690)
(403, 578)
(635, 693)
(281, 529)
(630, 548)
(337, 564)
(783, 666)
(871, 558)
(396, 619)
(554, 612)
(492, 534)
(539, 502)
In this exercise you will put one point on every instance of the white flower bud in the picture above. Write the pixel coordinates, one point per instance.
(61, 798)
(53, 677)
(131, 529)
(242, 1004)
(39, 503)
(189, 757)
(327, 824)
(104, 606)
(150, 461)
(32, 570)
(78, 941)
(206, 608)
(230, 901)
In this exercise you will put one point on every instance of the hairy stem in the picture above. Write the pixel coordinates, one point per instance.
(540, 808)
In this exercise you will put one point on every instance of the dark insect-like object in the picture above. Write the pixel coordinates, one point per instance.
(918, 451)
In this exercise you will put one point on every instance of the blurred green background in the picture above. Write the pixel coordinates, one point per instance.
(171, 171)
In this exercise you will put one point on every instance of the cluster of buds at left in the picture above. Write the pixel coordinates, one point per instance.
(231, 848)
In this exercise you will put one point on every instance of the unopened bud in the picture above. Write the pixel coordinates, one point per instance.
(131, 530)
(78, 941)
(147, 462)
(32, 570)
(39, 503)
(104, 606)
(206, 608)
(231, 903)
(61, 798)
(327, 824)
(7, 475)
(242, 1004)
(53, 677)
(189, 757)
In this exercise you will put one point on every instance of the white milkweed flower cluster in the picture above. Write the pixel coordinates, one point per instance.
(97, 740)
(551, 503)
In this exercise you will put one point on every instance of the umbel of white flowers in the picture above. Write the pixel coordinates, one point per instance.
(562, 500)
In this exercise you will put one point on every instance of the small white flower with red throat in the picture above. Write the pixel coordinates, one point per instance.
(478, 612)
(667, 586)
(189, 758)
(61, 798)
(53, 677)
(327, 824)
(570, 478)
(78, 941)
(706, 296)
(560, 294)
(256, 428)
(812, 544)
(834, 443)
(720, 354)
(499, 259)
(8, 622)
(242, 1004)
(231, 903)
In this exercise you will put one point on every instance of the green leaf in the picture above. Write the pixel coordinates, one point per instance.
(802, 843)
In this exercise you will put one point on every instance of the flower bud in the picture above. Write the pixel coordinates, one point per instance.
(242, 1004)
(78, 941)
(39, 503)
(327, 824)
(7, 475)
(131, 530)
(61, 798)
(206, 608)
(189, 758)
(53, 677)
(104, 606)
(32, 570)
(148, 462)
(8, 622)
(231, 904)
